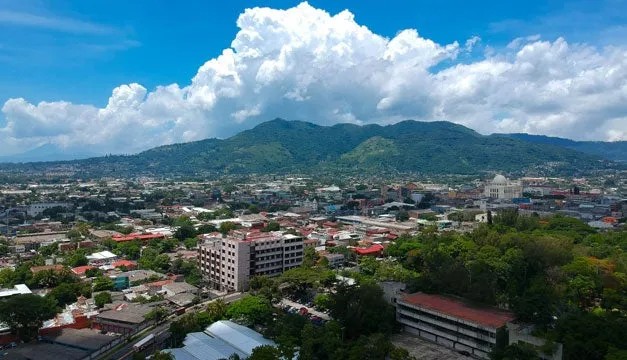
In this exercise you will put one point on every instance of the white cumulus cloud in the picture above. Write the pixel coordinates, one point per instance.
(304, 63)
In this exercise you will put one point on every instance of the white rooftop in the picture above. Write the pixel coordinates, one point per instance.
(103, 255)
(17, 289)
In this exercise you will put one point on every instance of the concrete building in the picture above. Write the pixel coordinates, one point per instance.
(122, 318)
(228, 263)
(335, 260)
(38, 208)
(451, 322)
(501, 188)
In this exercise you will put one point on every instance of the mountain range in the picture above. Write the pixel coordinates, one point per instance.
(281, 146)
(615, 150)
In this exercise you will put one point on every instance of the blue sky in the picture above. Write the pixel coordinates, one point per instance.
(79, 51)
(159, 42)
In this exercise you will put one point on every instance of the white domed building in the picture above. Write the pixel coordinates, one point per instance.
(503, 189)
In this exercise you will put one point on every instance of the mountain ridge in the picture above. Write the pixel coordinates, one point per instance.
(611, 150)
(282, 146)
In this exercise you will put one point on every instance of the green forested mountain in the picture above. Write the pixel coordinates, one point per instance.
(616, 150)
(281, 146)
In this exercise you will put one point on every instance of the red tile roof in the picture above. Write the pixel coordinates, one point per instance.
(489, 317)
(370, 250)
(131, 237)
(125, 263)
(80, 270)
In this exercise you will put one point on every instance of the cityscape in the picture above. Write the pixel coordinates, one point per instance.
(324, 188)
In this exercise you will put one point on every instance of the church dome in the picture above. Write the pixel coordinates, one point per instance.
(499, 179)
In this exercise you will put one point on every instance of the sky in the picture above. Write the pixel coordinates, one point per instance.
(115, 76)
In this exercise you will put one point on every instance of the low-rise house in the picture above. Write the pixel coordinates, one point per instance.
(122, 318)
(178, 288)
(101, 258)
(335, 260)
(55, 268)
(80, 270)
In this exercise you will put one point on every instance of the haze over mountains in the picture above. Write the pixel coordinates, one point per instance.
(281, 146)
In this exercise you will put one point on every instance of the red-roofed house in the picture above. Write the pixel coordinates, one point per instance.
(452, 322)
(80, 270)
(130, 265)
(372, 250)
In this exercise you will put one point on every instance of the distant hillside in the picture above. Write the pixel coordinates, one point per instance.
(48, 152)
(616, 150)
(281, 146)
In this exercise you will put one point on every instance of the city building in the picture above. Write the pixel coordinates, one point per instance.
(122, 318)
(228, 263)
(501, 188)
(335, 260)
(37, 209)
(451, 322)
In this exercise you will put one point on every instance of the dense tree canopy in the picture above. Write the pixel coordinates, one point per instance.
(25, 314)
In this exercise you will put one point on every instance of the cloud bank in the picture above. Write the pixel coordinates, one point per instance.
(304, 63)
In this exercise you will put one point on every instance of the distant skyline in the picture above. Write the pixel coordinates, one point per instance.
(120, 77)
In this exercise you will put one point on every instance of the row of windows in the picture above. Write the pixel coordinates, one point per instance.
(447, 331)
(447, 321)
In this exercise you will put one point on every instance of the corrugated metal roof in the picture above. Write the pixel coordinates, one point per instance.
(238, 336)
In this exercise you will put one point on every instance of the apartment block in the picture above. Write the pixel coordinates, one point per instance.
(451, 322)
(228, 263)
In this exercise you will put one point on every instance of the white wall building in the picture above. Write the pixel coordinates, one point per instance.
(37, 209)
(503, 189)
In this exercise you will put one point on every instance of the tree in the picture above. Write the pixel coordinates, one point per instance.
(322, 301)
(157, 314)
(362, 310)
(75, 259)
(160, 355)
(206, 229)
(102, 283)
(310, 257)
(251, 309)
(185, 231)
(402, 215)
(26, 313)
(216, 310)
(131, 249)
(8, 278)
(67, 293)
(226, 227)
(265, 352)
(93, 272)
(102, 298)
(190, 243)
(272, 226)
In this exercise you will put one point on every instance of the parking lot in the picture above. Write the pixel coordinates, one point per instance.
(286, 302)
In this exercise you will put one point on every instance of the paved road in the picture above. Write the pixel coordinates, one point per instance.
(161, 331)
(309, 309)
